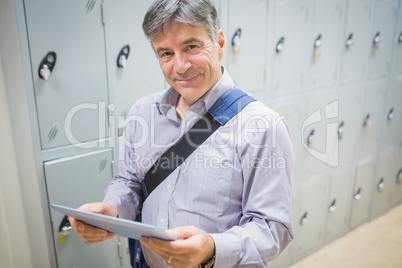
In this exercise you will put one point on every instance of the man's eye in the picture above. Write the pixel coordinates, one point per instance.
(166, 54)
(191, 47)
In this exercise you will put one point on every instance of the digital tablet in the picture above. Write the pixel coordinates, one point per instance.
(121, 227)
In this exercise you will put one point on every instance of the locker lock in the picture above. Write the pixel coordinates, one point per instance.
(399, 177)
(123, 56)
(310, 137)
(400, 38)
(376, 41)
(236, 41)
(317, 46)
(304, 219)
(341, 130)
(391, 114)
(380, 184)
(280, 45)
(358, 194)
(64, 228)
(349, 40)
(332, 207)
(47, 64)
(368, 122)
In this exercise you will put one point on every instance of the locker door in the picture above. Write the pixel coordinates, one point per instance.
(292, 113)
(392, 135)
(350, 110)
(74, 181)
(246, 43)
(372, 118)
(382, 39)
(69, 101)
(362, 191)
(384, 182)
(308, 235)
(338, 204)
(133, 67)
(356, 40)
(397, 44)
(287, 46)
(319, 134)
(323, 42)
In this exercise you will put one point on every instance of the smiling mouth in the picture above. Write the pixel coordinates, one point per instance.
(187, 78)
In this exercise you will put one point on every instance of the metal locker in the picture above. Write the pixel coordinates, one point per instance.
(382, 39)
(384, 182)
(372, 119)
(286, 48)
(338, 203)
(362, 191)
(319, 134)
(292, 113)
(350, 110)
(308, 232)
(397, 46)
(67, 50)
(246, 43)
(355, 40)
(73, 181)
(396, 179)
(322, 44)
(132, 65)
(392, 132)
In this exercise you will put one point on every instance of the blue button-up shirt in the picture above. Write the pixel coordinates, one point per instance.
(236, 186)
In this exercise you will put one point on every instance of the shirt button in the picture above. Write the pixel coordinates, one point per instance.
(169, 186)
(162, 220)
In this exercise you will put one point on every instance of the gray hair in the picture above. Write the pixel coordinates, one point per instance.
(195, 13)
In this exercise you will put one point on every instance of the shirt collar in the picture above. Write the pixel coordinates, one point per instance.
(169, 98)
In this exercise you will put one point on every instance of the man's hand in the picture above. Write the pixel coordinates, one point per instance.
(193, 247)
(93, 235)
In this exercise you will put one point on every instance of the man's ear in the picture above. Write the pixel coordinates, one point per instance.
(220, 40)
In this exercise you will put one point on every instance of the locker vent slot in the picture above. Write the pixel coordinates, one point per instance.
(102, 164)
(53, 132)
(90, 6)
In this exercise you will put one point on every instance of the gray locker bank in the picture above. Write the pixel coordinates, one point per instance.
(332, 68)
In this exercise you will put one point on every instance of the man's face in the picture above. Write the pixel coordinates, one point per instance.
(189, 59)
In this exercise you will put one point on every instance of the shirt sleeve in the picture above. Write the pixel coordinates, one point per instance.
(264, 229)
(124, 191)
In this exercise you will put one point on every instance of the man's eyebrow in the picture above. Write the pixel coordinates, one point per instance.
(185, 42)
(191, 40)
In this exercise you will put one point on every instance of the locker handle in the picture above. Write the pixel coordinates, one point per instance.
(391, 114)
(380, 184)
(341, 130)
(280, 45)
(358, 194)
(304, 219)
(349, 40)
(400, 38)
(317, 46)
(332, 207)
(123, 56)
(399, 177)
(46, 65)
(64, 228)
(310, 137)
(376, 41)
(368, 122)
(236, 41)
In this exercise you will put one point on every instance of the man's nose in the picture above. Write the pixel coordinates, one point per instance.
(182, 64)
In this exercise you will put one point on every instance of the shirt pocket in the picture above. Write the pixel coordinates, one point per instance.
(207, 191)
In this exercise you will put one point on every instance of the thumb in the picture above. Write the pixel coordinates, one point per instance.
(183, 232)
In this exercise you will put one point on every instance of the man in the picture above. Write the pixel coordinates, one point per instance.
(229, 202)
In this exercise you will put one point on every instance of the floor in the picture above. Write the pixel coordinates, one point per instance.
(375, 244)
